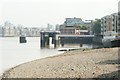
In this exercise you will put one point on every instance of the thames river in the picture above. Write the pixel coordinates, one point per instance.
(13, 53)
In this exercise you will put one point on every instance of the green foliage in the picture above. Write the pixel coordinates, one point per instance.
(97, 26)
(81, 27)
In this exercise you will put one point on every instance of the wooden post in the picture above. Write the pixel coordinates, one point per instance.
(22, 39)
(81, 45)
(47, 40)
(56, 40)
(42, 41)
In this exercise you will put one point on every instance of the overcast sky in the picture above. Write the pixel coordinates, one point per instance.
(37, 13)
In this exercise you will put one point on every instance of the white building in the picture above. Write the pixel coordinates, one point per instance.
(119, 16)
(109, 23)
(115, 22)
(57, 27)
(34, 32)
(9, 29)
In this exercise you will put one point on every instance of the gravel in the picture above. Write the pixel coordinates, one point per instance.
(92, 63)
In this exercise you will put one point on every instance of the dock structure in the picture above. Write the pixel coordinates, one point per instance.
(45, 38)
(76, 39)
(58, 39)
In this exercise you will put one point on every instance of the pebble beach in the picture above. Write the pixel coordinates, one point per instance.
(91, 63)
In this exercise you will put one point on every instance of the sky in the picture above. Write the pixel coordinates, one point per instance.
(38, 13)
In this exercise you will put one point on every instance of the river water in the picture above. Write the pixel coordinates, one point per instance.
(13, 53)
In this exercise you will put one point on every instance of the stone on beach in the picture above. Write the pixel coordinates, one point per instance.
(72, 64)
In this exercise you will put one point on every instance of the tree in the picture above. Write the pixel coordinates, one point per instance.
(97, 27)
(81, 27)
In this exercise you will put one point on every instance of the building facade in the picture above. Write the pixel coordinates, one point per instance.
(119, 16)
(109, 24)
(9, 29)
(57, 27)
(73, 22)
(1, 31)
(34, 32)
(69, 27)
(70, 31)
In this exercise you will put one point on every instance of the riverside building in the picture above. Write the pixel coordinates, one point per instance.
(110, 29)
(71, 27)
(119, 16)
(109, 24)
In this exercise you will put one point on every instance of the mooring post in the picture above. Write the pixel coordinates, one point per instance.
(47, 40)
(42, 41)
(81, 45)
(56, 40)
(22, 39)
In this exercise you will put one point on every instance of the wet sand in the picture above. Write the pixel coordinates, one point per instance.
(92, 63)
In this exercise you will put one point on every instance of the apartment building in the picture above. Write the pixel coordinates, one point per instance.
(109, 24)
(119, 16)
(115, 22)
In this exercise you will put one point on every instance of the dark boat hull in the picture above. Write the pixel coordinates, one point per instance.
(113, 43)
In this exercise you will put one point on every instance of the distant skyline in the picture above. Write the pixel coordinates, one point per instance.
(38, 13)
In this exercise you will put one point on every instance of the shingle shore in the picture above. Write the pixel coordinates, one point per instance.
(72, 64)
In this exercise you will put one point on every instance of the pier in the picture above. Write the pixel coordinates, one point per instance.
(58, 39)
(45, 38)
(76, 39)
